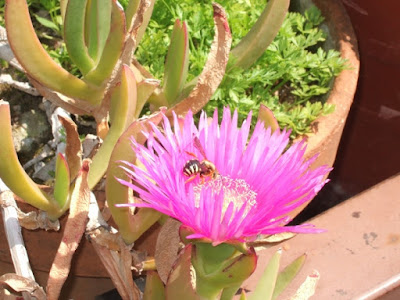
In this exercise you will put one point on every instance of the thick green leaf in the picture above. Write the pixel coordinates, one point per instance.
(74, 35)
(288, 274)
(257, 40)
(154, 289)
(230, 292)
(97, 27)
(176, 65)
(144, 89)
(243, 295)
(12, 173)
(267, 116)
(179, 285)
(122, 112)
(266, 285)
(112, 47)
(62, 182)
(220, 267)
(116, 193)
(35, 60)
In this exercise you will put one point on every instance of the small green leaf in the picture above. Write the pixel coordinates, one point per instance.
(257, 40)
(287, 275)
(46, 22)
(154, 289)
(62, 182)
(176, 65)
(266, 285)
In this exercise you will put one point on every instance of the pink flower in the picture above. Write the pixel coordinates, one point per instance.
(257, 183)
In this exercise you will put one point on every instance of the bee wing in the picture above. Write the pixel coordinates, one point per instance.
(197, 144)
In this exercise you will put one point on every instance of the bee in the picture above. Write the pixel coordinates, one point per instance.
(204, 168)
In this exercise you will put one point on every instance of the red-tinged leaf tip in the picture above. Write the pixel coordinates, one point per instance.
(85, 165)
(62, 157)
(267, 116)
(220, 13)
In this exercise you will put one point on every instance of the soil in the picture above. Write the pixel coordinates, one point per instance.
(22, 103)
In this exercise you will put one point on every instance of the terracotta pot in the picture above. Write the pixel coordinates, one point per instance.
(42, 246)
(329, 128)
(88, 276)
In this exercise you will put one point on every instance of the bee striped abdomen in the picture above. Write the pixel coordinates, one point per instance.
(192, 167)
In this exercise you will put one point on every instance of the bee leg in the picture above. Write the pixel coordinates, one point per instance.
(191, 178)
(191, 154)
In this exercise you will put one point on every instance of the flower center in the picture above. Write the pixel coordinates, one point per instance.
(237, 191)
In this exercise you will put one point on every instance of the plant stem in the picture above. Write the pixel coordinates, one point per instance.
(204, 291)
(279, 85)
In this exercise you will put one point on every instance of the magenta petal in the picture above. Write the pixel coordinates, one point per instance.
(259, 179)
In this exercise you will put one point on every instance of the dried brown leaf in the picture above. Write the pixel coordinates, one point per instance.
(112, 262)
(104, 238)
(21, 284)
(275, 238)
(74, 229)
(74, 106)
(31, 220)
(73, 150)
(308, 287)
(214, 69)
(167, 248)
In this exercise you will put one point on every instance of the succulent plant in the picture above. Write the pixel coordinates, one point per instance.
(101, 38)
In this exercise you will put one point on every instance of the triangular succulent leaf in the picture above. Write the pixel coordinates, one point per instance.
(14, 175)
(177, 63)
(37, 62)
(287, 275)
(122, 112)
(74, 35)
(116, 193)
(112, 47)
(97, 26)
(257, 40)
(266, 285)
(62, 182)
